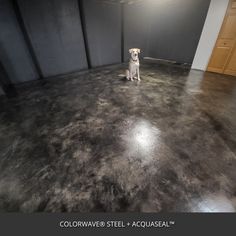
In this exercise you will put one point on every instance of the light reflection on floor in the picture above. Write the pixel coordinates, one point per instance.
(193, 84)
(214, 203)
(141, 139)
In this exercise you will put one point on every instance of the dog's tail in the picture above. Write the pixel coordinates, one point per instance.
(127, 74)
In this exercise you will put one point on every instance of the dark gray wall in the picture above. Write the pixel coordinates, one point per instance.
(103, 30)
(5, 81)
(1, 91)
(137, 23)
(167, 29)
(14, 53)
(54, 28)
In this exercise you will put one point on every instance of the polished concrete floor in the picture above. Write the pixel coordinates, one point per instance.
(95, 142)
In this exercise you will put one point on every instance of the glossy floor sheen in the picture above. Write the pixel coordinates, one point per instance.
(96, 142)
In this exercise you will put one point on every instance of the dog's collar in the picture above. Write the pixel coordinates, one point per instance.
(134, 60)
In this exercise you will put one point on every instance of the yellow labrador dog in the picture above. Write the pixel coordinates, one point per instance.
(133, 72)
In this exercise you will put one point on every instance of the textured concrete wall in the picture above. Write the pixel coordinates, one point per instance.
(54, 28)
(14, 53)
(103, 28)
(166, 29)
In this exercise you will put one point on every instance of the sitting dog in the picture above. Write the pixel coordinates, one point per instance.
(133, 72)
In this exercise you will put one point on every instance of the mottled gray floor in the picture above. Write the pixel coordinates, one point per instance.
(95, 142)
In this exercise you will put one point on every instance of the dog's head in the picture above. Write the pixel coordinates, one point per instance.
(134, 53)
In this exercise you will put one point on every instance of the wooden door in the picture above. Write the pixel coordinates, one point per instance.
(223, 59)
(231, 66)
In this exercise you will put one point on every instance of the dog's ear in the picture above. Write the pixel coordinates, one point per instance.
(130, 50)
(138, 50)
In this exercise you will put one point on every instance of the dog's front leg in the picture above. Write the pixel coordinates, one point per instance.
(138, 74)
(131, 73)
(131, 76)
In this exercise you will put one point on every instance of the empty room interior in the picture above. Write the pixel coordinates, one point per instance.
(117, 106)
